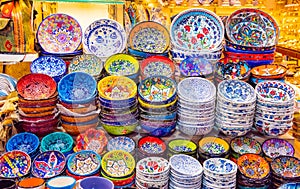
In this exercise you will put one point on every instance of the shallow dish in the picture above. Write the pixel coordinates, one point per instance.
(121, 143)
(220, 166)
(58, 141)
(185, 165)
(151, 145)
(151, 166)
(213, 145)
(275, 147)
(121, 65)
(286, 167)
(195, 66)
(26, 142)
(244, 145)
(253, 166)
(157, 65)
(87, 63)
(61, 182)
(271, 71)
(182, 146)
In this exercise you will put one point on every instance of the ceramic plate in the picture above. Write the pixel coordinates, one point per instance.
(269, 71)
(220, 166)
(252, 27)
(196, 66)
(49, 65)
(275, 147)
(253, 166)
(48, 164)
(185, 165)
(87, 63)
(229, 68)
(157, 65)
(36, 86)
(121, 64)
(197, 29)
(149, 37)
(243, 145)
(59, 33)
(152, 165)
(121, 143)
(14, 164)
(286, 166)
(104, 38)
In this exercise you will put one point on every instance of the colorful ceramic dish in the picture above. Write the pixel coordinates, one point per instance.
(121, 65)
(195, 66)
(270, 71)
(182, 146)
(213, 145)
(87, 63)
(290, 186)
(151, 145)
(26, 142)
(49, 65)
(217, 166)
(59, 33)
(185, 165)
(229, 68)
(275, 147)
(157, 65)
(149, 36)
(121, 143)
(286, 167)
(243, 145)
(14, 164)
(58, 141)
(253, 166)
(152, 166)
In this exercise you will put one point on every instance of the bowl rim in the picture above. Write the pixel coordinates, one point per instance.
(69, 137)
(22, 134)
(122, 56)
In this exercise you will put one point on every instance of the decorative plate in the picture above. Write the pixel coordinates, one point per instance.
(275, 147)
(14, 164)
(270, 71)
(117, 88)
(104, 38)
(253, 166)
(243, 145)
(213, 145)
(84, 163)
(121, 143)
(59, 141)
(48, 164)
(121, 64)
(286, 166)
(152, 165)
(185, 165)
(36, 86)
(196, 66)
(220, 166)
(237, 91)
(26, 142)
(252, 27)
(77, 86)
(87, 63)
(196, 89)
(151, 145)
(59, 33)
(118, 163)
(49, 65)
(149, 37)
(197, 29)
(157, 65)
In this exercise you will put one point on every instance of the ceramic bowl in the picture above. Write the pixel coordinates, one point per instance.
(120, 182)
(87, 63)
(7, 183)
(228, 68)
(78, 119)
(96, 183)
(195, 130)
(32, 183)
(62, 182)
(58, 141)
(185, 165)
(286, 167)
(143, 55)
(219, 167)
(233, 47)
(121, 143)
(244, 145)
(212, 56)
(275, 147)
(26, 142)
(151, 145)
(75, 130)
(235, 131)
(290, 186)
(119, 129)
(157, 65)
(253, 166)
(272, 130)
(213, 145)
(271, 71)
(195, 66)
(152, 167)
(182, 146)
(159, 131)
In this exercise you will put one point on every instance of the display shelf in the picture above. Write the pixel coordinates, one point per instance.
(16, 58)
(288, 52)
(86, 1)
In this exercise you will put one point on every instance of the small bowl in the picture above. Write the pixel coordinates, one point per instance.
(182, 146)
(142, 54)
(58, 141)
(228, 68)
(196, 66)
(7, 183)
(286, 167)
(119, 129)
(121, 143)
(275, 147)
(32, 183)
(62, 182)
(95, 183)
(78, 119)
(151, 145)
(271, 71)
(157, 65)
(219, 167)
(121, 65)
(244, 145)
(75, 130)
(87, 63)
(26, 142)
(192, 130)
(213, 146)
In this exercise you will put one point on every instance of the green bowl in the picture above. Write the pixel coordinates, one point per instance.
(182, 146)
(119, 129)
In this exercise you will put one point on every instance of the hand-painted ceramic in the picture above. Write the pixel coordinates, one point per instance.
(95, 182)
(48, 164)
(185, 165)
(104, 38)
(197, 29)
(121, 64)
(26, 142)
(182, 145)
(32, 183)
(213, 145)
(275, 147)
(14, 164)
(157, 65)
(118, 163)
(243, 145)
(152, 166)
(8, 84)
(59, 33)
(290, 186)
(58, 141)
(196, 66)
(61, 182)
(151, 145)
(87, 63)
(252, 27)
(286, 167)
(230, 68)
(36, 86)
(269, 71)
(121, 143)
(49, 65)
(253, 166)
(220, 166)
(149, 36)
(77, 86)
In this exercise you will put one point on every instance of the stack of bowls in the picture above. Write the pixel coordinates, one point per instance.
(119, 167)
(152, 172)
(78, 108)
(118, 100)
(37, 104)
(219, 173)
(186, 172)
(275, 147)
(235, 107)
(212, 147)
(151, 146)
(285, 169)
(196, 106)
(274, 107)
(244, 145)
(254, 172)
(157, 96)
(182, 146)
(121, 143)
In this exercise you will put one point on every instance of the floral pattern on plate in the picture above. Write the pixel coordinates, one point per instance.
(121, 64)
(253, 166)
(185, 165)
(59, 33)
(220, 166)
(243, 145)
(286, 166)
(49, 65)
(157, 65)
(275, 147)
(121, 143)
(87, 63)
(197, 29)
(196, 66)
(153, 165)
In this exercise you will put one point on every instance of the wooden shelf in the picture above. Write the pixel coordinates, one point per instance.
(288, 52)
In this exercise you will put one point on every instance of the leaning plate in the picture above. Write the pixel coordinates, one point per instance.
(87, 63)
(197, 29)
(252, 28)
(104, 38)
(49, 65)
(59, 33)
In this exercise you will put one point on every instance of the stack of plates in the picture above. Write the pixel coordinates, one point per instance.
(186, 172)
(152, 172)
(78, 108)
(219, 173)
(158, 104)
(275, 107)
(37, 104)
(196, 106)
(235, 107)
(119, 112)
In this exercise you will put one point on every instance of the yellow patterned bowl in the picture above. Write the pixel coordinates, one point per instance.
(121, 65)
(119, 129)
(151, 106)
(213, 146)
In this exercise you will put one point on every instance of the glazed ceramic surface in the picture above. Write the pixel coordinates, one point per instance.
(49, 65)
(59, 33)
(252, 27)
(87, 63)
(277, 147)
(243, 145)
(229, 68)
(213, 145)
(182, 145)
(151, 145)
(104, 38)
(286, 166)
(186, 165)
(121, 143)
(195, 66)
(202, 2)
(197, 29)
(269, 71)
(157, 65)
(58, 141)
(62, 182)
(14, 164)
(95, 182)
(121, 64)
(220, 166)
(290, 186)
(253, 166)
(150, 37)
(26, 142)
(48, 164)
(153, 165)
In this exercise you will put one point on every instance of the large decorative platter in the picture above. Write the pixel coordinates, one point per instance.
(253, 166)
(49, 65)
(286, 166)
(14, 164)
(149, 37)
(157, 65)
(104, 38)
(153, 165)
(48, 164)
(121, 64)
(196, 66)
(59, 33)
(275, 147)
(36, 86)
(252, 27)
(87, 63)
(197, 29)
(185, 165)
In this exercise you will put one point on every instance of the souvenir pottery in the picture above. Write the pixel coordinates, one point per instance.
(59, 33)
(7, 184)
(275, 147)
(96, 183)
(62, 182)
(272, 71)
(149, 36)
(157, 65)
(58, 141)
(14, 164)
(182, 146)
(290, 185)
(8, 84)
(151, 146)
(212, 147)
(87, 63)
(48, 164)
(243, 145)
(195, 66)
(121, 143)
(141, 54)
(32, 183)
(104, 38)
